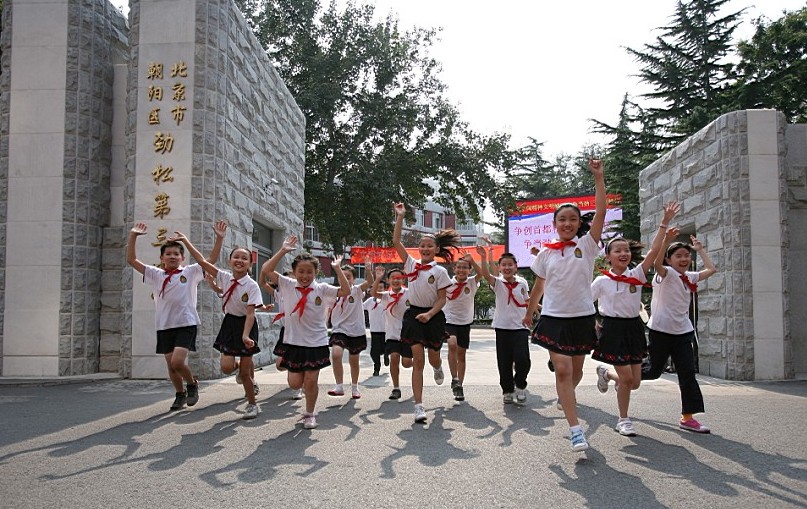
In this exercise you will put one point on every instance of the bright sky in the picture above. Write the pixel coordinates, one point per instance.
(541, 69)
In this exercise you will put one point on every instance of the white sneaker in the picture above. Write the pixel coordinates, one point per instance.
(251, 412)
(625, 428)
(439, 376)
(309, 421)
(602, 378)
(337, 390)
(297, 394)
(420, 413)
(355, 393)
(521, 396)
(579, 442)
(507, 398)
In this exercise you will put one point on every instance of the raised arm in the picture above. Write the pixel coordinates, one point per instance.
(483, 267)
(400, 212)
(268, 272)
(220, 229)
(368, 274)
(344, 286)
(658, 263)
(379, 276)
(535, 301)
(206, 265)
(493, 268)
(709, 266)
(670, 210)
(600, 198)
(131, 251)
(477, 268)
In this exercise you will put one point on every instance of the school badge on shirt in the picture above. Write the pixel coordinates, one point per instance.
(183, 279)
(578, 253)
(632, 289)
(318, 301)
(431, 280)
(351, 299)
(467, 290)
(244, 298)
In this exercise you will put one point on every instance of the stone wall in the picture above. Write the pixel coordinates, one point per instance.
(96, 38)
(796, 160)
(5, 95)
(248, 143)
(729, 178)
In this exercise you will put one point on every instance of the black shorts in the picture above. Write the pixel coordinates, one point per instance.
(567, 336)
(353, 344)
(430, 334)
(279, 348)
(178, 337)
(461, 332)
(394, 346)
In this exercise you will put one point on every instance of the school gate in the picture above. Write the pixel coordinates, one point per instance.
(176, 118)
(742, 182)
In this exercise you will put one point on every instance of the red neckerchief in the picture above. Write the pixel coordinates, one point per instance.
(377, 302)
(168, 274)
(560, 245)
(229, 293)
(511, 296)
(394, 298)
(303, 299)
(457, 290)
(278, 317)
(622, 278)
(693, 287)
(418, 268)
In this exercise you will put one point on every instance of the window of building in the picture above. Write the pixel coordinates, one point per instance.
(419, 220)
(311, 233)
(437, 221)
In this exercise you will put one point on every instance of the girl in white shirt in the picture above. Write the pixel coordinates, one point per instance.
(459, 311)
(375, 314)
(564, 269)
(622, 340)
(671, 331)
(348, 332)
(394, 303)
(305, 306)
(424, 322)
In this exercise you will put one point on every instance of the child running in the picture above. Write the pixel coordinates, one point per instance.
(375, 314)
(305, 305)
(424, 323)
(671, 330)
(622, 341)
(278, 349)
(564, 270)
(394, 303)
(512, 337)
(238, 335)
(176, 318)
(349, 333)
(459, 311)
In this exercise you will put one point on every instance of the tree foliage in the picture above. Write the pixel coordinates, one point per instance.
(773, 66)
(379, 127)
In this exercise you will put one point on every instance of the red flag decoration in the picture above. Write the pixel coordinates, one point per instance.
(389, 255)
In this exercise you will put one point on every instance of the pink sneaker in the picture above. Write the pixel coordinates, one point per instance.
(693, 425)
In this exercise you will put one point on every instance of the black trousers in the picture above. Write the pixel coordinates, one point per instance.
(376, 348)
(513, 353)
(679, 347)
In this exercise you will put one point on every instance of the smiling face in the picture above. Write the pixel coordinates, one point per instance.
(240, 261)
(172, 257)
(305, 272)
(507, 267)
(396, 279)
(427, 249)
(680, 259)
(618, 255)
(349, 276)
(566, 222)
(461, 270)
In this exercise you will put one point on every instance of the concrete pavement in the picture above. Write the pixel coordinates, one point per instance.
(113, 443)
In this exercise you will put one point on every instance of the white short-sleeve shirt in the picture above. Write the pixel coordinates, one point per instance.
(246, 293)
(669, 307)
(460, 311)
(393, 312)
(617, 299)
(423, 288)
(310, 329)
(347, 316)
(176, 306)
(375, 312)
(508, 314)
(567, 273)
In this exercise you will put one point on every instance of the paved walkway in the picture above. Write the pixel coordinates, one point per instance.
(111, 443)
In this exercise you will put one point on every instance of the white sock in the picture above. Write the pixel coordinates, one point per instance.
(575, 429)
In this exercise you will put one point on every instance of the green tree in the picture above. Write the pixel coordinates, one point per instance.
(379, 128)
(687, 68)
(773, 66)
